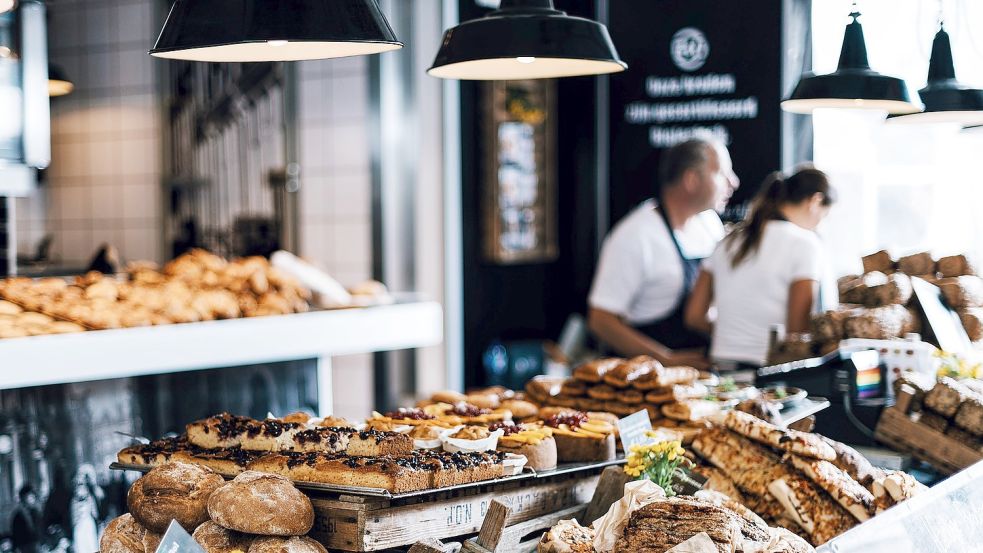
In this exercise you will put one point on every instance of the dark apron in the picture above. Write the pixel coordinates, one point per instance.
(671, 331)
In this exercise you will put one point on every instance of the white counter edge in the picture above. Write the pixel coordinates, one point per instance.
(100, 355)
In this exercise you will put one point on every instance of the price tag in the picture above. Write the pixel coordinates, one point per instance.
(633, 428)
(177, 540)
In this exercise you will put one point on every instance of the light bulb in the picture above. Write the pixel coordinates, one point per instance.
(277, 42)
(525, 59)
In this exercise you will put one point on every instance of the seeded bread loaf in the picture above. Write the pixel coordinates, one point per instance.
(258, 503)
(173, 491)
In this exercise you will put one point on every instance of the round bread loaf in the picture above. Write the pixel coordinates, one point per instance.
(173, 491)
(449, 396)
(215, 539)
(261, 503)
(286, 545)
(520, 409)
(151, 541)
(123, 535)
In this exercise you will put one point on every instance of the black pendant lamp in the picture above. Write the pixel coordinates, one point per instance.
(526, 39)
(946, 99)
(58, 83)
(853, 85)
(273, 30)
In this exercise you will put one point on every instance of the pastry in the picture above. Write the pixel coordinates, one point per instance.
(820, 516)
(573, 388)
(627, 372)
(337, 422)
(471, 433)
(258, 503)
(123, 535)
(621, 409)
(549, 411)
(173, 491)
(679, 392)
(691, 409)
(631, 397)
(880, 323)
(972, 320)
(299, 417)
(483, 400)
(448, 396)
(542, 388)
(579, 439)
(590, 404)
(567, 401)
(664, 377)
(602, 392)
(593, 372)
(520, 409)
(216, 539)
(535, 443)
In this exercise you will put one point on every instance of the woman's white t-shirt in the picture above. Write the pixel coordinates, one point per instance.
(639, 275)
(752, 297)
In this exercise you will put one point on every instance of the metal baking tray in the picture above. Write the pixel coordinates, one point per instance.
(527, 474)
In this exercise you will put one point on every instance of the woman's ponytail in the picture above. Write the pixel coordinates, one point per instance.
(776, 191)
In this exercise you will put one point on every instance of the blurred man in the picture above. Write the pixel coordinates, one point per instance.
(651, 258)
(25, 524)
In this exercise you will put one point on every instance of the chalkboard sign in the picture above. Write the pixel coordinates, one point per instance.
(694, 66)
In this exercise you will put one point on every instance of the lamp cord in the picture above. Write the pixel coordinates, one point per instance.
(848, 408)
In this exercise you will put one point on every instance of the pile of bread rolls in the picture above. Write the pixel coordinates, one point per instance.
(254, 513)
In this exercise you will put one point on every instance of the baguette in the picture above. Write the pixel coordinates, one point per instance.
(792, 441)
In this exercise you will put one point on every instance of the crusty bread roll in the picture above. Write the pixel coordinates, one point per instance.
(286, 545)
(151, 541)
(123, 535)
(520, 409)
(215, 539)
(173, 491)
(259, 503)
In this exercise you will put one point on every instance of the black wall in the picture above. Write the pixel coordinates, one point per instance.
(530, 301)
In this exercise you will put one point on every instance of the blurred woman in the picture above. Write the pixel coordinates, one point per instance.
(767, 271)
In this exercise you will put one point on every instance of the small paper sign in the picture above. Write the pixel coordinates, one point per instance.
(177, 540)
(633, 428)
(687, 482)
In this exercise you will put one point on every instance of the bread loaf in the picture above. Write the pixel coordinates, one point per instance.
(878, 261)
(945, 397)
(954, 266)
(258, 503)
(934, 421)
(917, 264)
(962, 292)
(880, 323)
(969, 416)
(286, 545)
(123, 535)
(972, 319)
(216, 539)
(896, 290)
(173, 491)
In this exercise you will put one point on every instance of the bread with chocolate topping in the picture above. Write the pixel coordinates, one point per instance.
(222, 430)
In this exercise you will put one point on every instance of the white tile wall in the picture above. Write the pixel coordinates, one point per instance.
(335, 198)
(103, 183)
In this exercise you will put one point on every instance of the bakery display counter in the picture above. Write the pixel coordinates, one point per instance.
(127, 352)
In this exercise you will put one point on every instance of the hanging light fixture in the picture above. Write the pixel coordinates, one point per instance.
(853, 85)
(526, 39)
(58, 83)
(946, 99)
(273, 30)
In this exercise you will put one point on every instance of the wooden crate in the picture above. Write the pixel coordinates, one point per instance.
(357, 523)
(896, 429)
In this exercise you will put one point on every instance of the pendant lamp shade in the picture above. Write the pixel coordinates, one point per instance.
(273, 30)
(58, 83)
(7, 5)
(946, 100)
(526, 39)
(853, 85)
